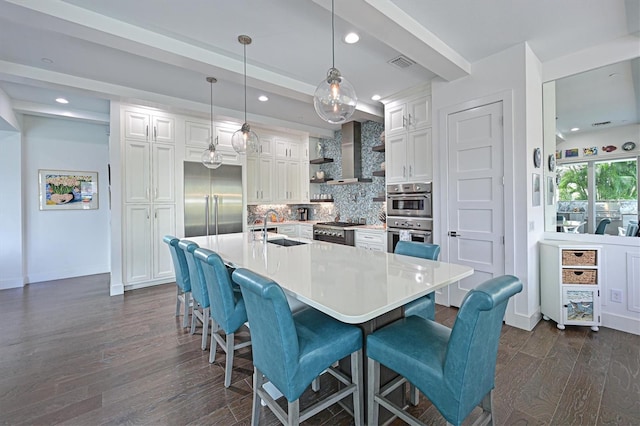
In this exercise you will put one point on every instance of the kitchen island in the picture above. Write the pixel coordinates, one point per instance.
(350, 284)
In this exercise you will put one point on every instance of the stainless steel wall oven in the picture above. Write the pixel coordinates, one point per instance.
(409, 213)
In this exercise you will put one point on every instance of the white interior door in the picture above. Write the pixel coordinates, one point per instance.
(476, 195)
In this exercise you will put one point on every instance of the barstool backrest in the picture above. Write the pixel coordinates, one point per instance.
(198, 288)
(179, 263)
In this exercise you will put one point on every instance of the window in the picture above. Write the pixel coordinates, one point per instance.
(589, 192)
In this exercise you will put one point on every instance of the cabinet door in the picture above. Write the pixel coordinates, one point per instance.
(197, 134)
(304, 182)
(164, 223)
(253, 189)
(581, 305)
(224, 135)
(396, 158)
(138, 242)
(395, 119)
(280, 191)
(163, 157)
(266, 146)
(137, 171)
(163, 129)
(136, 125)
(419, 113)
(266, 178)
(420, 156)
(293, 181)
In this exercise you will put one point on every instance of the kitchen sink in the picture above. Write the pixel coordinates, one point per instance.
(286, 242)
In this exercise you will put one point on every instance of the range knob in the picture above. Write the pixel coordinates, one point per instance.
(333, 234)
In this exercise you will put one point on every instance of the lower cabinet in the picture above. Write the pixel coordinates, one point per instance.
(306, 231)
(570, 283)
(147, 257)
(288, 230)
(371, 239)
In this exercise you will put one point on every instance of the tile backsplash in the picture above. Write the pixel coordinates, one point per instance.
(351, 202)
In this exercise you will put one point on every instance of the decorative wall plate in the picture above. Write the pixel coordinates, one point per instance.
(537, 157)
(628, 146)
(552, 162)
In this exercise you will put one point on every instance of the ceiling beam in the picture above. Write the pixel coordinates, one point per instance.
(391, 25)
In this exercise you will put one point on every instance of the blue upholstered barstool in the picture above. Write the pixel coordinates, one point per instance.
(183, 283)
(291, 350)
(227, 307)
(425, 306)
(199, 291)
(454, 368)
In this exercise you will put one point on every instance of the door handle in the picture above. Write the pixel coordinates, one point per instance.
(453, 234)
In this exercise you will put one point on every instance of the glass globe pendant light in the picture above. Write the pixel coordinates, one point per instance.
(210, 157)
(245, 140)
(335, 98)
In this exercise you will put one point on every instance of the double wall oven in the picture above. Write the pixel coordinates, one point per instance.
(409, 213)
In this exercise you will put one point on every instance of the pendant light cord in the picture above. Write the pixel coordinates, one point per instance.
(245, 82)
(211, 110)
(333, 41)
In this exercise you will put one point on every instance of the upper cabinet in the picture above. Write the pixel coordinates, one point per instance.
(408, 145)
(407, 115)
(149, 126)
(287, 150)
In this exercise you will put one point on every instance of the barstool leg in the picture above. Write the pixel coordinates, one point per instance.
(373, 388)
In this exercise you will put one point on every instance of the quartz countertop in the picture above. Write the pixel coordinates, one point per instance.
(352, 285)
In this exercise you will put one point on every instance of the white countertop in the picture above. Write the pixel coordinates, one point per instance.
(350, 284)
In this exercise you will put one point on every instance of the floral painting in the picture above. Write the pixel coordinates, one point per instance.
(68, 190)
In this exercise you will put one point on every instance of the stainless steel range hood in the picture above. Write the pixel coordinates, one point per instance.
(351, 155)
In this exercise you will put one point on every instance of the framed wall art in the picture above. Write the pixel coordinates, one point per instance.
(68, 190)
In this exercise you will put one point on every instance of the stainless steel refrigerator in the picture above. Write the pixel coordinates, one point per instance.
(212, 199)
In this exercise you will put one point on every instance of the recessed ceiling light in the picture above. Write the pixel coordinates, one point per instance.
(375, 98)
(62, 101)
(47, 60)
(263, 98)
(575, 129)
(351, 38)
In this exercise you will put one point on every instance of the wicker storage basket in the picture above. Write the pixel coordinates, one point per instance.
(579, 257)
(580, 276)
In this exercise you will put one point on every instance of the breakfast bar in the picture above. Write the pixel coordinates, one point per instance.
(347, 283)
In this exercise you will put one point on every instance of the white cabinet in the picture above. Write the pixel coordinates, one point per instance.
(408, 144)
(287, 150)
(197, 133)
(259, 179)
(409, 157)
(288, 230)
(147, 257)
(149, 172)
(570, 283)
(371, 239)
(287, 181)
(306, 231)
(149, 126)
(407, 115)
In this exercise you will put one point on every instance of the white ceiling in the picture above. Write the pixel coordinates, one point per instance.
(158, 52)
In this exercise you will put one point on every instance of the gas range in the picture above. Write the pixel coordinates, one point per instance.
(335, 232)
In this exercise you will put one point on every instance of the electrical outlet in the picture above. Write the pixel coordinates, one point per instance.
(315, 211)
(616, 295)
(289, 211)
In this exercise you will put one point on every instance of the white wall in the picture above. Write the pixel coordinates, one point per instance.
(11, 188)
(513, 75)
(64, 243)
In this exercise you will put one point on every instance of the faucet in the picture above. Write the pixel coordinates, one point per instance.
(266, 215)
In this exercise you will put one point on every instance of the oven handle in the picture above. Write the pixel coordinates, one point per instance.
(404, 197)
(411, 231)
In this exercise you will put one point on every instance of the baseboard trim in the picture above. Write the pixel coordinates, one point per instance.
(621, 323)
(136, 286)
(17, 282)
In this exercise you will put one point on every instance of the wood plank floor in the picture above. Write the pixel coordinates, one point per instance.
(72, 355)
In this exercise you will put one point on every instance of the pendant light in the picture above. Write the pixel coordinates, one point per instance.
(210, 157)
(335, 98)
(245, 140)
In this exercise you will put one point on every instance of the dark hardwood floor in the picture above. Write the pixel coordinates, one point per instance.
(70, 354)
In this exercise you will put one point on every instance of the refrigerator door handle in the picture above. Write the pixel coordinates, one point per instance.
(206, 214)
(215, 213)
